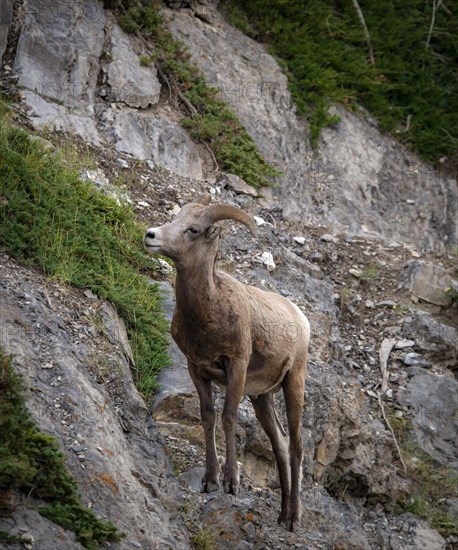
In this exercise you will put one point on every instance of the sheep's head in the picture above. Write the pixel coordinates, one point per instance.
(193, 235)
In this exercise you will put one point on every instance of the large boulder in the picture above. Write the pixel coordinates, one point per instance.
(432, 400)
(438, 341)
(427, 282)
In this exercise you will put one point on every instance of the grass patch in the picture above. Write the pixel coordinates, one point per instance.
(411, 88)
(432, 483)
(51, 219)
(370, 272)
(31, 462)
(208, 119)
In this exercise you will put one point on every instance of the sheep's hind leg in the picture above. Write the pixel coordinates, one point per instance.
(293, 389)
(210, 481)
(265, 412)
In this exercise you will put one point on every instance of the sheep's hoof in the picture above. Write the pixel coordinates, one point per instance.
(282, 519)
(230, 487)
(209, 487)
(293, 524)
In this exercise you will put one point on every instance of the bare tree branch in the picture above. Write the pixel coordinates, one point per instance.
(436, 6)
(366, 31)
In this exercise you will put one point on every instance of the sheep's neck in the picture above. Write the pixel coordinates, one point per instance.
(195, 290)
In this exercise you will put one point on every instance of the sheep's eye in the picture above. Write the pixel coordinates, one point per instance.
(193, 230)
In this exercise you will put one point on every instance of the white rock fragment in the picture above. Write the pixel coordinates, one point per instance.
(165, 267)
(355, 272)
(268, 260)
(369, 304)
(175, 209)
(259, 221)
(97, 176)
(299, 240)
(142, 204)
(403, 344)
(123, 162)
(328, 238)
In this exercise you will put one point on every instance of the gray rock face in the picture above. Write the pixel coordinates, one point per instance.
(80, 389)
(38, 532)
(433, 401)
(386, 178)
(145, 135)
(49, 62)
(130, 83)
(6, 15)
(93, 85)
(362, 179)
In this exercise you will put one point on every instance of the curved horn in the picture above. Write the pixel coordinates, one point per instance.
(202, 199)
(218, 212)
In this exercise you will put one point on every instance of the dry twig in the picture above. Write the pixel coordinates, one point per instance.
(213, 156)
(166, 80)
(380, 402)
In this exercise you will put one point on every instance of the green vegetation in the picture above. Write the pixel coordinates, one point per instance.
(203, 539)
(432, 483)
(370, 272)
(209, 119)
(9, 539)
(51, 219)
(411, 87)
(31, 462)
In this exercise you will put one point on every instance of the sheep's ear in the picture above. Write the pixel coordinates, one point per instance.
(202, 199)
(212, 232)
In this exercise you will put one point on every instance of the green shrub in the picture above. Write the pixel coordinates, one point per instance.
(411, 89)
(51, 219)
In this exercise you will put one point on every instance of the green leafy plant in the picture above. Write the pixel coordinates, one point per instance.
(51, 219)
(31, 461)
(208, 119)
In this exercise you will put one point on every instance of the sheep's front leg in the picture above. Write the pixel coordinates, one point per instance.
(234, 392)
(210, 481)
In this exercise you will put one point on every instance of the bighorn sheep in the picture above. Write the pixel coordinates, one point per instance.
(251, 341)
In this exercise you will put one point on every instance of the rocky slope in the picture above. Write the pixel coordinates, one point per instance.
(346, 236)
